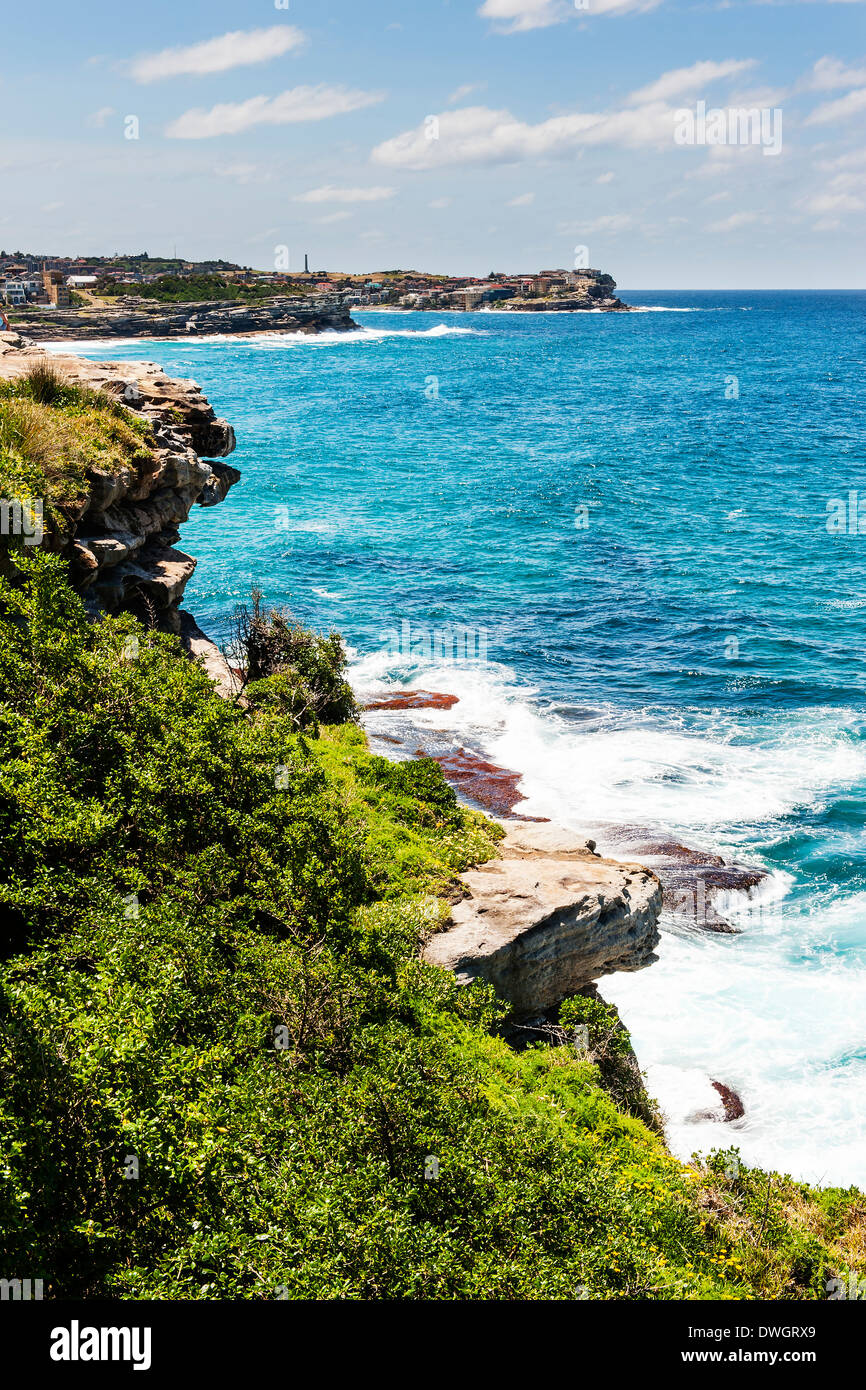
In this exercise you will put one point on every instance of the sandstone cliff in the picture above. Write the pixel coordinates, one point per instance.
(548, 918)
(121, 537)
(592, 289)
(539, 923)
(147, 319)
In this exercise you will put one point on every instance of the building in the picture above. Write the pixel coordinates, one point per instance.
(20, 289)
(58, 294)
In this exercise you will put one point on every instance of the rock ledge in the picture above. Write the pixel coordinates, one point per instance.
(548, 918)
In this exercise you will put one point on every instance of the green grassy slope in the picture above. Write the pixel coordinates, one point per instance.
(210, 977)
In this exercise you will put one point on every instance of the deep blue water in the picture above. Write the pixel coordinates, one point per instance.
(690, 656)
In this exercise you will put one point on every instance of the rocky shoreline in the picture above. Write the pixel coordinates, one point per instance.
(181, 320)
(545, 919)
(693, 879)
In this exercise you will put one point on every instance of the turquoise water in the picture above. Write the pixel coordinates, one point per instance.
(629, 513)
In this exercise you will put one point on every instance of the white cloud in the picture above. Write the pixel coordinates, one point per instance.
(612, 223)
(466, 90)
(97, 119)
(852, 160)
(297, 104)
(606, 178)
(838, 110)
(522, 200)
(440, 203)
(243, 173)
(844, 192)
(685, 81)
(329, 194)
(717, 198)
(235, 50)
(518, 16)
(478, 135)
(333, 217)
(828, 74)
(833, 202)
(734, 222)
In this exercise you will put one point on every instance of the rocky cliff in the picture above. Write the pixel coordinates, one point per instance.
(592, 289)
(539, 923)
(548, 918)
(146, 319)
(120, 540)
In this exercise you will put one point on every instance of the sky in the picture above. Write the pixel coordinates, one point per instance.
(458, 136)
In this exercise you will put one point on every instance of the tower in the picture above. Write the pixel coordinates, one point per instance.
(306, 264)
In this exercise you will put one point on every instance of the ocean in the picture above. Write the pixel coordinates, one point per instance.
(632, 545)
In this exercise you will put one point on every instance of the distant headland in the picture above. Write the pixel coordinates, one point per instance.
(57, 297)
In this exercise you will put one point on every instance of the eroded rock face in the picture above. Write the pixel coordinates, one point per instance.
(123, 533)
(149, 319)
(548, 918)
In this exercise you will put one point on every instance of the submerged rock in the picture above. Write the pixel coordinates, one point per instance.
(492, 787)
(732, 1107)
(413, 699)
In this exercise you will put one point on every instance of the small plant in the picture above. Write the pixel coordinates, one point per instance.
(45, 383)
(291, 669)
(610, 1050)
(607, 1036)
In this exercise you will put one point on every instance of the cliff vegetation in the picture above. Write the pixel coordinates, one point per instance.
(226, 1071)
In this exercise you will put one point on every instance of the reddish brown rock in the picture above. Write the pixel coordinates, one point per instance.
(413, 699)
(490, 786)
(732, 1106)
(691, 878)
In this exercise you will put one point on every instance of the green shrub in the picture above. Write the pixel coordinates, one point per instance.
(226, 1072)
(291, 670)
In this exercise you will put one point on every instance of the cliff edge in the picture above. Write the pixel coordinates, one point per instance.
(119, 533)
(548, 918)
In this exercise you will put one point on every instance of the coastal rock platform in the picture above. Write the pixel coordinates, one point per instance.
(548, 918)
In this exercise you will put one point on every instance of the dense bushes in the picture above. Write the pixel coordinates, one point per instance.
(225, 1071)
(290, 669)
(188, 289)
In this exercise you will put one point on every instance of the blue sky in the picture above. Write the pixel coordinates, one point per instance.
(309, 126)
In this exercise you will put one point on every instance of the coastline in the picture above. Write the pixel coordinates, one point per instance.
(505, 754)
(472, 947)
(169, 322)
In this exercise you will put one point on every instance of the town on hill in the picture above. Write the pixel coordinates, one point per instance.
(30, 283)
